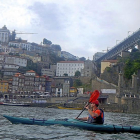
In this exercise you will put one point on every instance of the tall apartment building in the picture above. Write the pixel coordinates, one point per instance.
(69, 67)
(28, 83)
(89, 68)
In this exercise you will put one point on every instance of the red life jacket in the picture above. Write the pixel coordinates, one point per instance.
(98, 120)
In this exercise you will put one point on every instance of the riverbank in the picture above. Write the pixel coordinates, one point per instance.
(106, 107)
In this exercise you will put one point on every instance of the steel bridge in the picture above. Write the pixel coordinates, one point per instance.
(128, 43)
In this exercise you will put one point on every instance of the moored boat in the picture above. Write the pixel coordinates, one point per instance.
(14, 104)
(75, 123)
(70, 108)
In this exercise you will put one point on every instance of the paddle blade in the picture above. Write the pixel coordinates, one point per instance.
(94, 96)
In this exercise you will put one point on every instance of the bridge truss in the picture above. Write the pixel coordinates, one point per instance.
(128, 43)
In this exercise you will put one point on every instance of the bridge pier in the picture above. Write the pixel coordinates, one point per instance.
(134, 83)
(138, 46)
(120, 89)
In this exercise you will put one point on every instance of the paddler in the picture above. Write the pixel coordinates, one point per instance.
(96, 115)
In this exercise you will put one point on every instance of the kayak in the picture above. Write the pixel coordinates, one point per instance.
(74, 123)
(69, 108)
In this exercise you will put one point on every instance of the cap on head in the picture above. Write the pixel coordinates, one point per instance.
(95, 102)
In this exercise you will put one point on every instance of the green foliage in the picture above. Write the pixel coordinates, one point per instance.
(77, 83)
(17, 54)
(108, 69)
(82, 59)
(87, 87)
(128, 65)
(134, 50)
(11, 53)
(77, 73)
(71, 59)
(128, 69)
(55, 58)
(132, 64)
(65, 74)
(31, 66)
(56, 47)
(135, 55)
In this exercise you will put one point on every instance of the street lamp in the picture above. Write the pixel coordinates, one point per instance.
(129, 32)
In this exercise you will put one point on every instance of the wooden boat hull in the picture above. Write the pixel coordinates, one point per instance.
(70, 108)
(75, 123)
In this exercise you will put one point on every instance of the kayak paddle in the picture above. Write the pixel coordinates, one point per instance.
(94, 96)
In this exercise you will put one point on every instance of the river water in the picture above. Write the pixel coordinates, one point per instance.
(10, 131)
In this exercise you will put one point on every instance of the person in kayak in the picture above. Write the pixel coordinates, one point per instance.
(96, 115)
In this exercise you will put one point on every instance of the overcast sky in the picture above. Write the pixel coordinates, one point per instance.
(81, 27)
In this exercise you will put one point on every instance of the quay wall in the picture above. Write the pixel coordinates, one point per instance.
(119, 108)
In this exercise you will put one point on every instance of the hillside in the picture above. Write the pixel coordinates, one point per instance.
(127, 66)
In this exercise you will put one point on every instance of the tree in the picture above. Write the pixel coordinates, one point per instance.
(65, 74)
(82, 59)
(56, 47)
(132, 64)
(54, 58)
(31, 66)
(77, 83)
(17, 54)
(11, 53)
(77, 73)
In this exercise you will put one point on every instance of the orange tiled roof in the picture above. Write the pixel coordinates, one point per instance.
(31, 71)
(111, 61)
(4, 81)
(71, 62)
(17, 73)
(72, 87)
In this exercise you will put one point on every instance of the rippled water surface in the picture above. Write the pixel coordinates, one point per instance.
(10, 131)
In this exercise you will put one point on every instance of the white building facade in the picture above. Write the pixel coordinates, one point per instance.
(4, 34)
(16, 60)
(69, 67)
(10, 66)
(23, 45)
(47, 72)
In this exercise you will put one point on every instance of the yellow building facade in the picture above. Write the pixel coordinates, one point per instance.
(4, 86)
(35, 59)
(107, 63)
(73, 91)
